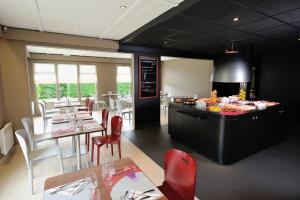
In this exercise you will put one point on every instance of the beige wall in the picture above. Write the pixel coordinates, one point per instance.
(13, 62)
(2, 116)
(186, 76)
(14, 81)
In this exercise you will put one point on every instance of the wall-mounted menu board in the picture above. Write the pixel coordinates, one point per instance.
(148, 77)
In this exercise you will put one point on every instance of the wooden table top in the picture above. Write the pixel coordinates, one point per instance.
(73, 176)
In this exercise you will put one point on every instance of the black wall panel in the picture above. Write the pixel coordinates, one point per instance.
(147, 111)
(279, 80)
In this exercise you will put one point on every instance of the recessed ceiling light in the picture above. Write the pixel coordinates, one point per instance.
(76, 29)
(298, 38)
(165, 42)
(123, 7)
(236, 19)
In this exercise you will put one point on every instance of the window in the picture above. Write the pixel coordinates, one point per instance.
(45, 80)
(64, 80)
(123, 80)
(67, 78)
(88, 80)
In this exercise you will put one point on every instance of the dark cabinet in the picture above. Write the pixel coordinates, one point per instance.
(226, 139)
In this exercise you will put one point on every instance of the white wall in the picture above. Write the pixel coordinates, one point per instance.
(186, 76)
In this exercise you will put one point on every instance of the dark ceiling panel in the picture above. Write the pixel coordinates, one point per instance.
(289, 17)
(245, 15)
(207, 26)
(274, 7)
(278, 31)
(178, 23)
(265, 23)
(208, 10)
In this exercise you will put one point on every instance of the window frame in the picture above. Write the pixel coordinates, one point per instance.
(56, 63)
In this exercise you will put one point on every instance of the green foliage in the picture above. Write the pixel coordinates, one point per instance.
(68, 90)
(88, 89)
(46, 91)
(123, 88)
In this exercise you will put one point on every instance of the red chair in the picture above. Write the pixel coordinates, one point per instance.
(180, 176)
(86, 104)
(113, 138)
(105, 113)
(90, 106)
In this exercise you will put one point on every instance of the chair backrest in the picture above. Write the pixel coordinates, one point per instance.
(120, 106)
(42, 109)
(24, 143)
(90, 105)
(116, 125)
(29, 128)
(111, 103)
(180, 173)
(86, 102)
(105, 113)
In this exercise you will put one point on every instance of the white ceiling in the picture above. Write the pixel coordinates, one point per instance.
(92, 18)
(79, 52)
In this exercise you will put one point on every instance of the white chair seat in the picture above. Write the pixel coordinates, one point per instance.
(41, 137)
(43, 153)
(52, 111)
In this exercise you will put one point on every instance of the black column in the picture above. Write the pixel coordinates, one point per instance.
(147, 111)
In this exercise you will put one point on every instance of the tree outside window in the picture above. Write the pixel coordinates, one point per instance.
(88, 81)
(123, 80)
(45, 80)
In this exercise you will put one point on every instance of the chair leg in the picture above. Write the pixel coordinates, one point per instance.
(98, 155)
(112, 149)
(31, 177)
(88, 141)
(61, 164)
(92, 150)
(119, 146)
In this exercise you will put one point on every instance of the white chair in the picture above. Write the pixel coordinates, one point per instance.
(112, 106)
(121, 110)
(34, 139)
(49, 111)
(36, 155)
(45, 116)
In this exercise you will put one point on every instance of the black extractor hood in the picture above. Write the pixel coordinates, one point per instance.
(232, 67)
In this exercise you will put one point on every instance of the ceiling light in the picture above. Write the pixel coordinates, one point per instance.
(235, 19)
(299, 39)
(165, 42)
(76, 29)
(123, 7)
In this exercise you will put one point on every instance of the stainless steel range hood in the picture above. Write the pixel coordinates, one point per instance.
(231, 68)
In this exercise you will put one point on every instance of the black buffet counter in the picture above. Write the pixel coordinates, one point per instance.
(226, 139)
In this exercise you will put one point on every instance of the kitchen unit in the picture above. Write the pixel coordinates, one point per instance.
(227, 137)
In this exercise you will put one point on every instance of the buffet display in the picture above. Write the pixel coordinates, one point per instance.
(235, 104)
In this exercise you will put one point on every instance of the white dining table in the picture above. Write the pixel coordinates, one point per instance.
(68, 130)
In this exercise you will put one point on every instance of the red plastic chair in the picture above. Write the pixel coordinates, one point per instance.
(113, 138)
(90, 106)
(105, 113)
(86, 104)
(180, 176)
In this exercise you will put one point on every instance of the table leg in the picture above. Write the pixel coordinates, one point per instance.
(78, 152)
(73, 144)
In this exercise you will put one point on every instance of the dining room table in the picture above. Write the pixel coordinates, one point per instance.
(66, 117)
(67, 104)
(70, 129)
(127, 179)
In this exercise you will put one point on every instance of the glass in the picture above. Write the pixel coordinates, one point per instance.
(88, 89)
(46, 91)
(108, 170)
(92, 184)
